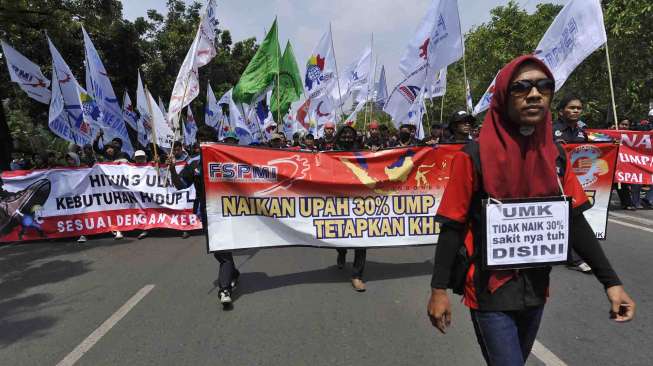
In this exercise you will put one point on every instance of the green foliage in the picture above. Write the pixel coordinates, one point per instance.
(155, 44)
(512, 32)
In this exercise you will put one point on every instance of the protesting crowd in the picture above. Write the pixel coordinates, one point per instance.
(516, 153)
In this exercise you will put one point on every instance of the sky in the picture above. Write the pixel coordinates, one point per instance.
(392, 23)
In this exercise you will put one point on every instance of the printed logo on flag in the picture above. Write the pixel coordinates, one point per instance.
(409, 92)
(315, 72)
(587, 165)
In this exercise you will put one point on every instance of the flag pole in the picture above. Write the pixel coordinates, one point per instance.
(368, 117)
(278, 80)
(442, 108)
(462, 44)
(335, 63)
(153, 127)
(614, 105)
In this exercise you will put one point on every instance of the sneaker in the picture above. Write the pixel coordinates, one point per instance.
(340, 262)
(225, 297)
(82, 239)
(142, 235)
(117, 235)
(358, 284)
(15, 205)
(185, 235)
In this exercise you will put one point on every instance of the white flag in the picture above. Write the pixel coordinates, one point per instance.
(80, 116)
(576, 32)
(154, 123)
(26, 74)
(381, 89)
(201, 51)
(129, 112)
(404, 94)
(322, 110)
(99, 87)
(190, 128)
(484, 103)
(438, 40)
(213, 112)
(439, 87)
(236, 121)
(320, 69)
(351, 120)
(415, 114)
(356, 75)
(144, 122)
(259, 117)
(162, 107)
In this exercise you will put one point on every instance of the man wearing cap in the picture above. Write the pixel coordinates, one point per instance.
(327, 142)
(230, 138)
(406, 136)
(435, 136)
(140, 157)
(375, 141)
(460, 125)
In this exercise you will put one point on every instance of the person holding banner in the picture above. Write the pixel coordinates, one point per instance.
(570, 129)
(515, 163)
(347, 140)
(460, 126)
(326, 142)
(191, 174)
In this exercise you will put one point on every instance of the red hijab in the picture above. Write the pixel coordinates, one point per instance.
(514, 165)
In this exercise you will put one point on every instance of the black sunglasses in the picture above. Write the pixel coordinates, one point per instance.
(523, 87)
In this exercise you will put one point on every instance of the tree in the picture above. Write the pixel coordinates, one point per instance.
(155, 44)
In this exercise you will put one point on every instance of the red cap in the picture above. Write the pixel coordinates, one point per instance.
(374, 124)
(330, 125)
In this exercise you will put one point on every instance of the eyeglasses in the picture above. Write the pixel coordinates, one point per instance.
(521, 88)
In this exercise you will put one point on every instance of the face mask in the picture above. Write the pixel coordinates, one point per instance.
(404, 136)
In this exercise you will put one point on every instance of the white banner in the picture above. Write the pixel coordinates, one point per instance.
(79, 201)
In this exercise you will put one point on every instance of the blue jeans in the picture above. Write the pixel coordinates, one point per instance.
(506, 337)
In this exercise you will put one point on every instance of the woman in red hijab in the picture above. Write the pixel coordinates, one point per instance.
(515, 157)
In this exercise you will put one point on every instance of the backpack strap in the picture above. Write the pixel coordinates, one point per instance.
(561, 160)
(472, 149)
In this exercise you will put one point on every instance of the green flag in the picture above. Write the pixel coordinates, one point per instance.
(289, 88)
(261, 70)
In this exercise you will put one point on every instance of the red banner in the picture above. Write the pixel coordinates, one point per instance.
(635, 162)
(259, 197)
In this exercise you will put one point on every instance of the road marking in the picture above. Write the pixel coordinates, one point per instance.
(631, 225)
(104, 328)
(641, 220)
(545, 355)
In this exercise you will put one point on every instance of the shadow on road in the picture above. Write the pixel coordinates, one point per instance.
(29, 265)
(251, 282)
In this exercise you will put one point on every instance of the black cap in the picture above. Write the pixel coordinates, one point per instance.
(437, 125)
(461, 116)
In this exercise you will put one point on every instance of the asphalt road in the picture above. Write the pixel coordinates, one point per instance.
(293, 307)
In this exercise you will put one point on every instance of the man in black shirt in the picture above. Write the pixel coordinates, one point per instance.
(569, 128)
(460, 125)
(190, 175)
